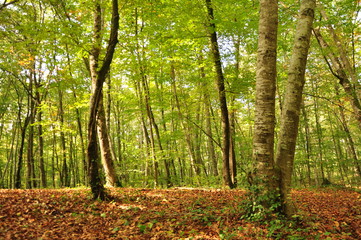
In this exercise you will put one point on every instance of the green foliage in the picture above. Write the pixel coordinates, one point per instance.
(166, 45)
(261, 204)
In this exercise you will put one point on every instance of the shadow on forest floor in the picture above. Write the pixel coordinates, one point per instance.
(171, 214)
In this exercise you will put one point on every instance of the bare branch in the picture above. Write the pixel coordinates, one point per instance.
(5, 4)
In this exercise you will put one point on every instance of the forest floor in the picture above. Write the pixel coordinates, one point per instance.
(172, 214)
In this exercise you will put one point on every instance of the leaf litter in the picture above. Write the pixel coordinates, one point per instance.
(178, 213)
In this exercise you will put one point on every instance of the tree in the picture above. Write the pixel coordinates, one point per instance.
(6, 3)
(275, 177)
(292, 101)
(226, 133)
(264, 122)
(98, 76)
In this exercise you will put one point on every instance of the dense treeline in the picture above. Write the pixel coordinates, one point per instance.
(160, 108)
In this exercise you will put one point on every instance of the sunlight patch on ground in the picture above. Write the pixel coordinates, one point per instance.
(131, 206)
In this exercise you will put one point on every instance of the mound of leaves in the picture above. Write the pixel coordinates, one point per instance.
(171, 214)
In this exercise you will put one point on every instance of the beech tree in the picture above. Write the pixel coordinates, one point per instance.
(226, 133)
(274, 175)
(264, 122)
(291, 107)
(99, 72)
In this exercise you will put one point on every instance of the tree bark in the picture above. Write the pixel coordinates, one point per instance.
(105, 148)
(319, 133)
(98, 76)
(207, 112)
(338, 68)
(65, 178)
(307, 143)
(349, 138)
(264, 123)
(187, 132)
(30, 172)
(41, 151)
(21, 148)
(292, 102)
(226, 140)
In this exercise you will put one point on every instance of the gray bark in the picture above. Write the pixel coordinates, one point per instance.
(263, 139)
(292, 101)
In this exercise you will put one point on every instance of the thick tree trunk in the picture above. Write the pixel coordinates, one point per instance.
(292, 102)
(226, 139)
(264, 123)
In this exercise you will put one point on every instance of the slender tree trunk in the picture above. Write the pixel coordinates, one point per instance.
(308, 143)
(98, 76)
(30, 173)
(211, 147)
(107, 156)
(344, 59)
(79, 123)
(226, 138)
(38, 101)
(82, 144)
(21, 149)
(350, 141)
(148, 135)
(119, 131)
(292, 102)
(105, 148)
(156, 128)
(232, 115)
(186, 128)
(232, 149)
(197, 142)
(13, 146)
(41, 152)
(319, 134)
(207, 111)
(53, 162)
(338, 69)
(65, 179)
(336, 145)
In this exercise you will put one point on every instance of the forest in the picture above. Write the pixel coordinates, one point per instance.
(158, 94)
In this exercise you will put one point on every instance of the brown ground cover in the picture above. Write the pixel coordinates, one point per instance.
(177, 213)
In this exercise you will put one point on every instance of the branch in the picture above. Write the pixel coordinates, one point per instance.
(322, 43)
(195, 124)
(5, 4)
(112, 42)
(330, 101)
